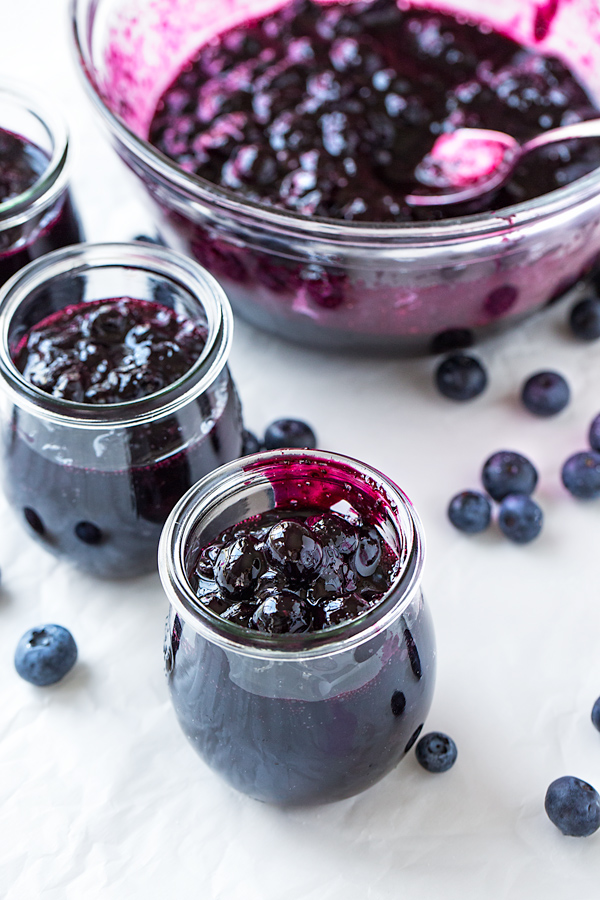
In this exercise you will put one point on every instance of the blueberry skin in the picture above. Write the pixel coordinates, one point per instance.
(460, 377)
(44, 655)
(581, 475)
(594, 434)
(470, 512)
(545, 393)
(289, 433)
(584, 319)
(507, 472)
(436, 752)
(520, 519)
(573, 806)
(596, 714)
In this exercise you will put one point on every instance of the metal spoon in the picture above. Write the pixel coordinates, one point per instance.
(469, 163)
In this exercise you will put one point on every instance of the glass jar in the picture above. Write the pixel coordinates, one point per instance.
(95, 483)
(41, 218)
(298, 718)
(331, 283)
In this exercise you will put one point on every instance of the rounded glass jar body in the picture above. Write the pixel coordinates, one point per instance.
(95, 483)
(43, 217)
(310, 718)
(342, 284)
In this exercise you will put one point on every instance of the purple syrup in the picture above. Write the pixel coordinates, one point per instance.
(22, 163)
(330, 109)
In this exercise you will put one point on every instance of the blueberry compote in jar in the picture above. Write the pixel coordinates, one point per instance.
(36, 210)
(116, 397)
(299, 652)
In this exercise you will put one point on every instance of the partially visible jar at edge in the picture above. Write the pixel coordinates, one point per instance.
(95, 483)
(37, 214)
(297, 719)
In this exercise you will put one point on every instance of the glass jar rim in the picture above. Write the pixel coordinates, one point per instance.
(45, 189)
(222, 483)
(355, 235)
(137, 255)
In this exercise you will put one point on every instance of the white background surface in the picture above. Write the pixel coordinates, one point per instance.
(100, 795)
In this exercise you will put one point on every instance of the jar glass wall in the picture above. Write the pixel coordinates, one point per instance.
(298, 718)
(34, 158)
(95, 483)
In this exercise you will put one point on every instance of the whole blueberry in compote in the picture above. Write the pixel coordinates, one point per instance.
(545, 393)
(508, 472)
(584, 319)
(460, 377)
(594, 434)
(292, 570)
(289, 433)
(573, 806)
(581, 475)
(436, 752)
(470, 511)
(520, 518)
(596, 714)
(44, 655)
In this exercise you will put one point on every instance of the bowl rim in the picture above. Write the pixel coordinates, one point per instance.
(344, 233)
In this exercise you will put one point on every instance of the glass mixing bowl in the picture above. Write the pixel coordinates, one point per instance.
(334, 284)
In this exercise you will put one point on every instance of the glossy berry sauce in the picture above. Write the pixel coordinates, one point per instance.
(107, 514)
(285, 572)
(21, 165)
(330, 109)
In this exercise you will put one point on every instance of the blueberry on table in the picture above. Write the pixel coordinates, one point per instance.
(250, 443)
(584, 319)
(436, 752)
(285, 433)
(596, 714)
(507, 472)
(545, 393)
(520, 518)
(460, 377)
(581, 475)
(470, 511)
(594, 434)
(573, 806)
(44, 655)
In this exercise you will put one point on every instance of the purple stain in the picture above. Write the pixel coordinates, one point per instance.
(500, 300)
(544, 17)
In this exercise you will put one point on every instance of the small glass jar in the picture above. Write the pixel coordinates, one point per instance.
(41, 218)
(95, 483)
(306, 718)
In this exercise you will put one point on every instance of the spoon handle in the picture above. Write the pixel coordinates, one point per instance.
(588, 129)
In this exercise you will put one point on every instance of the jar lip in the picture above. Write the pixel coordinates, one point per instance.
(224, 482)
(137, 255)
(346, 234)
(44, 191)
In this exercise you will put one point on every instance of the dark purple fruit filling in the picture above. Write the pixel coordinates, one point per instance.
(292, 572)
(21, 164)
(109, 351)
(329, 110)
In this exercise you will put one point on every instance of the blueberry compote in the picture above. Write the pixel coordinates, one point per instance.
(101, 495)
(285, 572)
(22, 164)
(330, 109)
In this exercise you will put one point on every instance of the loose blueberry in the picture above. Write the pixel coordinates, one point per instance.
(520, 518)
(293, 547)
(596, 714)
(436, 752)
(284, 613)
(461, 377)
(573, 806)
(289, 433)
(507, 472)
(470, 512)
(44, 655)
(250, 443)
(545, 393)
(584, 319)
(594, 434)
(581, 475)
